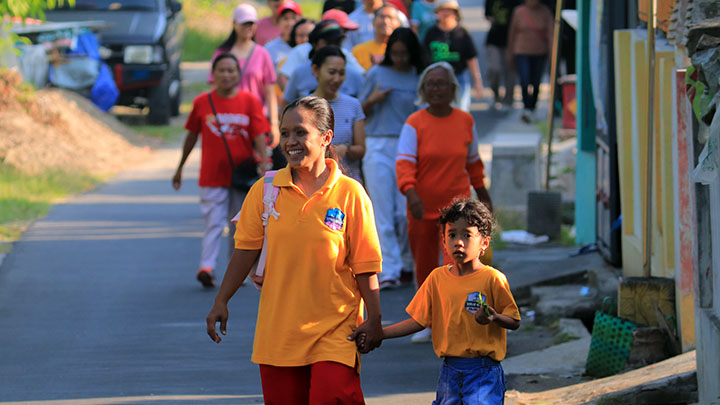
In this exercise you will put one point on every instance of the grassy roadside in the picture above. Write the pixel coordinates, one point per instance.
(208, 24)
(24, 197)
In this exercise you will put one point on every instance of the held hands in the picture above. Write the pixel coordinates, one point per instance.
(367, 336)
(485, 315)
(218, 313)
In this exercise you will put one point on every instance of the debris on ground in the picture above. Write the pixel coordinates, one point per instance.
(668, 382)
(51, 129)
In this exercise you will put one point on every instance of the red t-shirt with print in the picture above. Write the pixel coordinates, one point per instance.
(241, 120)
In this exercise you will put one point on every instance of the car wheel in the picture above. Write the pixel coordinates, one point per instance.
(160, 103)
(176, 93)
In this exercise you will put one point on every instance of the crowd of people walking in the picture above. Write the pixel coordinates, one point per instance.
(358, 127)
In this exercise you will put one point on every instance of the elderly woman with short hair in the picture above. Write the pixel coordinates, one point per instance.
(437, 160)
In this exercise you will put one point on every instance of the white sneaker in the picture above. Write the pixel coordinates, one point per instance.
(424, 336)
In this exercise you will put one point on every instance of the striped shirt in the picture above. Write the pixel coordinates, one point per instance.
(347, 111)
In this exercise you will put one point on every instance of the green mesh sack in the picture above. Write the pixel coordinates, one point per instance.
(610, 343)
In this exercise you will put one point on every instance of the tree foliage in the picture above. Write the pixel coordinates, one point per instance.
(20, 9)
(29, 8)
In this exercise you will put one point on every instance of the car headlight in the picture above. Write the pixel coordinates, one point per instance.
(143, 54)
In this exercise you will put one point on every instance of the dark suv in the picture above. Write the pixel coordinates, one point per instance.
(142, 45)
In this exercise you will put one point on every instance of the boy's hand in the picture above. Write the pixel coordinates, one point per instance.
(485, 315)
(360, 340)
(367, 336)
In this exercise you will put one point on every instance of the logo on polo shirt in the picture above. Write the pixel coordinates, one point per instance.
(474, 301)
(334, 219)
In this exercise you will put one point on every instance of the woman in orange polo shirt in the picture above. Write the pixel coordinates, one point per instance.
(437, 160)
(323, 243)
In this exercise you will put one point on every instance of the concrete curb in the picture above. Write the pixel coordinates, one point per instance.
(564, 360)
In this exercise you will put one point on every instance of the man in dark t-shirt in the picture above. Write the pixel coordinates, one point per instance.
(448, 41)
(498, 12)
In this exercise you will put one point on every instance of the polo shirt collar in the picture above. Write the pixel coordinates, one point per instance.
(283, 178)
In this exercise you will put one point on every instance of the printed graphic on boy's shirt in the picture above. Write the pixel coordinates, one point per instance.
(334, 219)
(474, 302)
(440, 52)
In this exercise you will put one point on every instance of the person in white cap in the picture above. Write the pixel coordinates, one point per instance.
(449, 42)
(257, 72)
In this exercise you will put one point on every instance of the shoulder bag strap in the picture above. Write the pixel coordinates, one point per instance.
(247, 60)
(222, 133)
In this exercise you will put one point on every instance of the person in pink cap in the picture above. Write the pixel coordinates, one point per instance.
(268, 28)
(257, 72)
(342, 18)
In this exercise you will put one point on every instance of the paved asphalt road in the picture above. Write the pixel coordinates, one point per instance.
(99, 301)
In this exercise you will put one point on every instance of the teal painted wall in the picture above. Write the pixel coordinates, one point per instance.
(585, 176)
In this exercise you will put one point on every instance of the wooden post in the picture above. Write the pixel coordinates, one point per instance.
(553, 82)
(652, 20)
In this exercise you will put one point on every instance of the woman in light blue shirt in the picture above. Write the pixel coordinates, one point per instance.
(329, 67)
(388, 98)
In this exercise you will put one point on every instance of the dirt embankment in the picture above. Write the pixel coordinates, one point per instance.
(57, 130)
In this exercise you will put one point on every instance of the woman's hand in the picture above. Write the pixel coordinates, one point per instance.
(341, 149)
(367, 336)
(218, 313)
(177, 180)
(275, 136)
(479, 89)
(378, 96)
(415, 204)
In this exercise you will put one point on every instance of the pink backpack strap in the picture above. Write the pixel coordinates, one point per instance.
(270, 194)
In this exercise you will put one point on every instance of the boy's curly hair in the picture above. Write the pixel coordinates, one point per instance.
(472, 210)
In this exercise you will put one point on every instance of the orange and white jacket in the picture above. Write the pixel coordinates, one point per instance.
(438, 157)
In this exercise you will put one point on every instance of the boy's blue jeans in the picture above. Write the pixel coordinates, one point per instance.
(470, 380)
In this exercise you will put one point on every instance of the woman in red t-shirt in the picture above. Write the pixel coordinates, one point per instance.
(239, 117)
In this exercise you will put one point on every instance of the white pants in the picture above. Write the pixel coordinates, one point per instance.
(218, 205)
(389, 205)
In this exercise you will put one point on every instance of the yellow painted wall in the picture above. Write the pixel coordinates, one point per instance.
(632, 112)
(631, 75)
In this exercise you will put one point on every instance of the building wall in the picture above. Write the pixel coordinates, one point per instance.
(631, 70)
(708, 318)
(631, 84)
(684, 216)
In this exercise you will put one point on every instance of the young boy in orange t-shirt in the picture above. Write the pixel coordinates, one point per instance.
(469, 307)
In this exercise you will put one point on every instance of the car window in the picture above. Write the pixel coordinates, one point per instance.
(111, 5)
